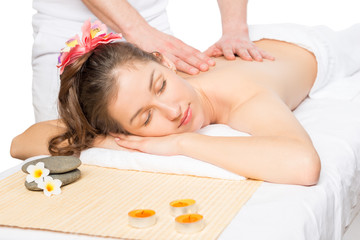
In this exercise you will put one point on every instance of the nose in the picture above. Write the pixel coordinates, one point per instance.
(170, 111)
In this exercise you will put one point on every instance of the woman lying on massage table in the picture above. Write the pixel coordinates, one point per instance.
(118, 96)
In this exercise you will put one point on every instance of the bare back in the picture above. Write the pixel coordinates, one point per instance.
(258, 97)
(290, 76)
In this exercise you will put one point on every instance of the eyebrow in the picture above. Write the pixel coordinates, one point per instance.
(150, 87)
(151, 79)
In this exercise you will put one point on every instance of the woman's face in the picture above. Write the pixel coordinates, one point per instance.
(153, 101)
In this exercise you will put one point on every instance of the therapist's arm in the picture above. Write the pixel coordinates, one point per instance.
(235, 34)
(122, 17)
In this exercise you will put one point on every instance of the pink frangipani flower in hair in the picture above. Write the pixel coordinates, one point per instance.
(93, 34)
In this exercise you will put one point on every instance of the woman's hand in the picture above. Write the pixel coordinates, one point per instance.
(186, 58)
(166, 145)
(109, 143)
(239, 44)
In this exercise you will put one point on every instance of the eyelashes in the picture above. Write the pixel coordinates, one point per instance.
(148, 118)
(162, 88)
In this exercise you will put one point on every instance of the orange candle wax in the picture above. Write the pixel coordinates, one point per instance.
(142, 218)
(182, 206)
(189, 223)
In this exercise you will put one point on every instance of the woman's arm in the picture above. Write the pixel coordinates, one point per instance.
(35, 140)
(278, 151)
(273, 159)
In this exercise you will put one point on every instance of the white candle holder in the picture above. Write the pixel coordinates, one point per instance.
(142, 218)
(183, 206)
(189, 223)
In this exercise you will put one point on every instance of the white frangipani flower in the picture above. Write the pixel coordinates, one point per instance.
(36, 172)
(50, 186)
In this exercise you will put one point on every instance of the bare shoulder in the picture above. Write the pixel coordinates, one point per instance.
(265, 114)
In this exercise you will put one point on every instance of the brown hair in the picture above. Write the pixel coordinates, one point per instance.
(87, 86)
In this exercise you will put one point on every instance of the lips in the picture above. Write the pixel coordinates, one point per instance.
(186, 117)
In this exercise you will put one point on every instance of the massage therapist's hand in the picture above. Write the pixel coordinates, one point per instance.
(124, 18)
(165, 145)
(186, 58)
(235, 34)
(237, 43)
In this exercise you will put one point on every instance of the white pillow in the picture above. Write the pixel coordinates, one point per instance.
(164, 164)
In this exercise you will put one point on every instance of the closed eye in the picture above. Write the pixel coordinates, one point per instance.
(163, 86)
(148, 119)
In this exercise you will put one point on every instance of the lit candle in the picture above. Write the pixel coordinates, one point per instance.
(142, 218)
(189, 223)
(182, 206)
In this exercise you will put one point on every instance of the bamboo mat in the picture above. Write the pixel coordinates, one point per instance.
(98, 203)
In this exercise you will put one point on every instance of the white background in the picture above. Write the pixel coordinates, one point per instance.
(196, 22)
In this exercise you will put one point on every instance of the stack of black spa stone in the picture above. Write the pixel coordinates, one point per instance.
(63, 168)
